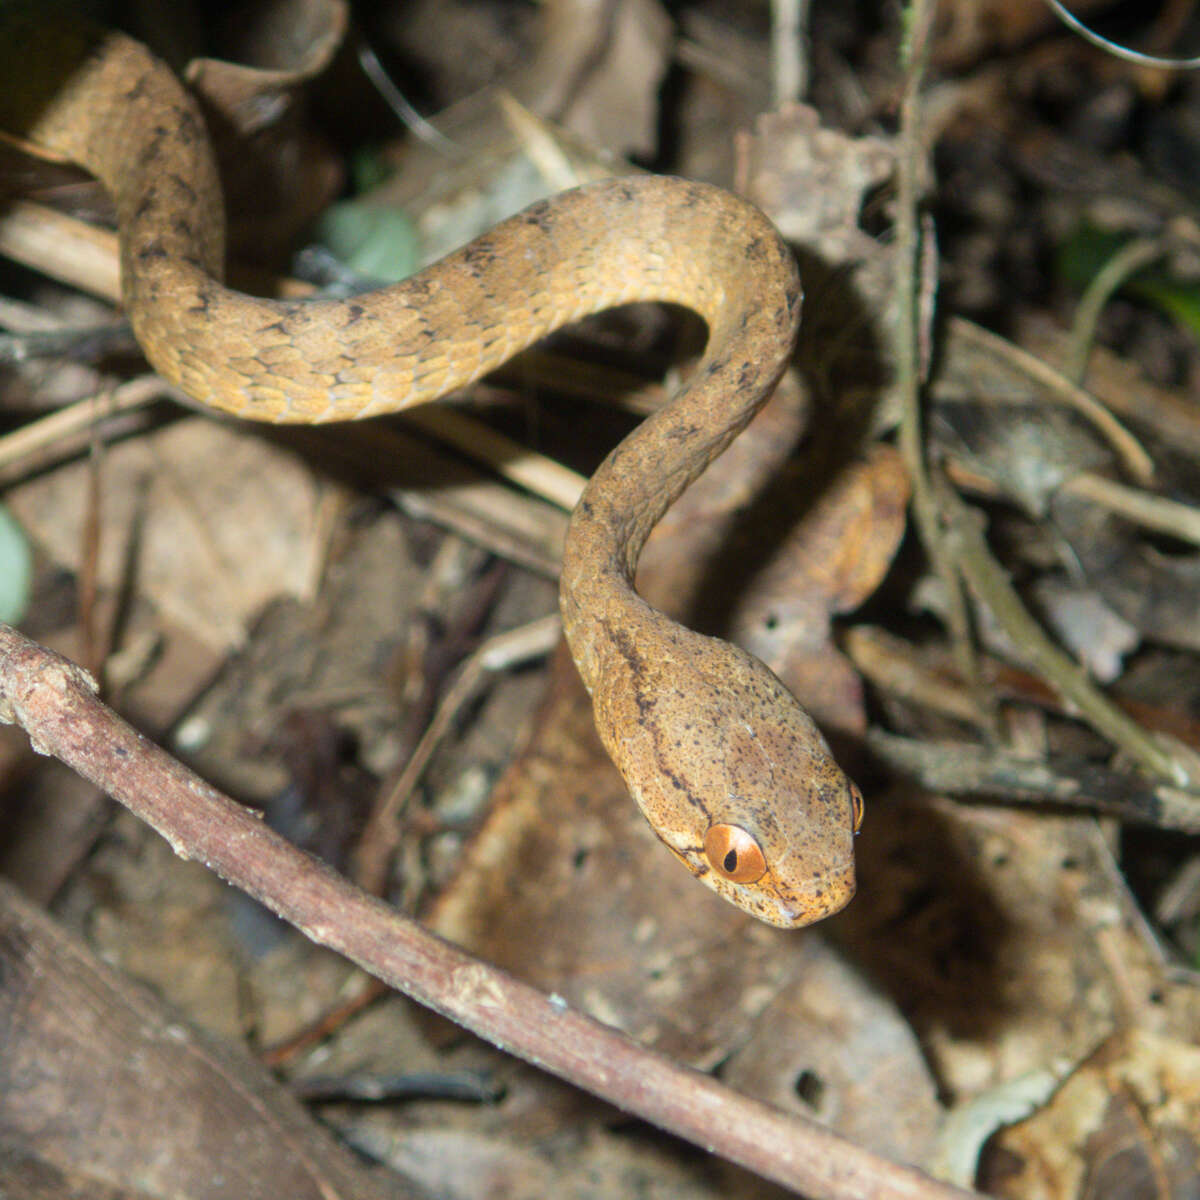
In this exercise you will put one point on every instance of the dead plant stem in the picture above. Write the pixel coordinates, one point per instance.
(918, 17)
(988, 579)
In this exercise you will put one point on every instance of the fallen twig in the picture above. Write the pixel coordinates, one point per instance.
(966, 769)
(55, 701)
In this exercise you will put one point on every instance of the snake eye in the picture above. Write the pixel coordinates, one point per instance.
(856, 808)
(734, 853)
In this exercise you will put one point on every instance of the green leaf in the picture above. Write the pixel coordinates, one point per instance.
(1081, 257)
(16, 569)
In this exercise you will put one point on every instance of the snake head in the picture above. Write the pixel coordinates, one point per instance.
(731, 773)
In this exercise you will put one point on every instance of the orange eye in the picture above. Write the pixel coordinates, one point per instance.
(733, 853)
(857, 807)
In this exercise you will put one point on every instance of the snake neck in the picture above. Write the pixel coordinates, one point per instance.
(650, 469)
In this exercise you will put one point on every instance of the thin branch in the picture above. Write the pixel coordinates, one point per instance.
(967, 769)
(992, 585)
(503, 652)
(789, 51)
(55, 702)
(918, 17)
(1158, 513)
(950, 531)
(31, 446)
(1134, 459)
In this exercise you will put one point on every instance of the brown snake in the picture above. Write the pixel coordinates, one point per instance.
(729, 770)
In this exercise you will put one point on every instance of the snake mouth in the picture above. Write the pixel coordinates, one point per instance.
(820, 895)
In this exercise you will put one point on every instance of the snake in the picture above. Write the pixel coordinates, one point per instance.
(730, 771)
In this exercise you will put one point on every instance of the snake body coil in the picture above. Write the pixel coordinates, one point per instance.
(729, 770)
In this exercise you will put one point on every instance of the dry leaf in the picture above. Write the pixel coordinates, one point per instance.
(211, 522)
(1124, 1124)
